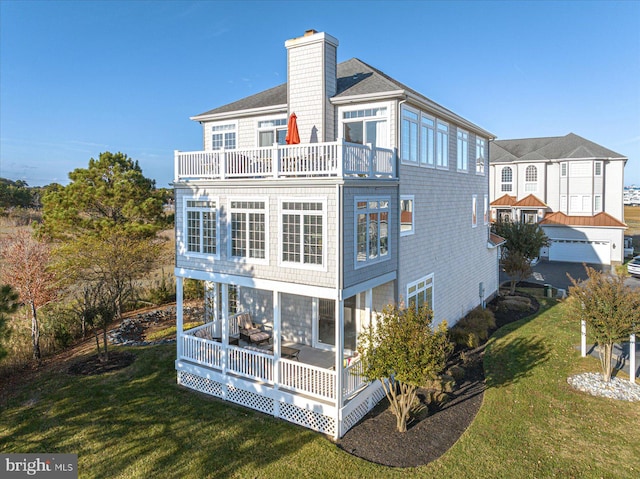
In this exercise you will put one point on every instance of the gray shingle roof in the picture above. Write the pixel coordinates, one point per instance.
(355, 77)
(547, 148)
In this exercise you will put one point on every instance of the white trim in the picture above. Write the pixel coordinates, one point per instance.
(379, 258)
(484, 155)
(364, 106)
(462, 137)
(274, 129)
(184, 245)
(247, 259)
(438, 142)
(424, 279)
(325, 233)
(368, 284)
(413, 214)
(229, 115)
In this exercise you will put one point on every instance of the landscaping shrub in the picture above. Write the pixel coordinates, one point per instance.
(473, 329)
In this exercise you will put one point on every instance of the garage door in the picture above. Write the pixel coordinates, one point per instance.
(580, 251)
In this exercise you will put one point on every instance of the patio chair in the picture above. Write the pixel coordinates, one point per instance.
(250, 331)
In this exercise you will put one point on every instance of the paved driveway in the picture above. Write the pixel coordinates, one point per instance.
(555, 273)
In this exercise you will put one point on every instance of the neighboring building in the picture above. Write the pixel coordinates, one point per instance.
(571, 186)
(385, 200)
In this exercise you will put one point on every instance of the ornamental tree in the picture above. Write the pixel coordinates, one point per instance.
(610, 308)
(403, 351)
(27, 268)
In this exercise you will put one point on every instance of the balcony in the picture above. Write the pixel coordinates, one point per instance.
(334, 159)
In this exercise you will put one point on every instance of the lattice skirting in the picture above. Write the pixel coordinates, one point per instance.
(367, 404)
(289, 412)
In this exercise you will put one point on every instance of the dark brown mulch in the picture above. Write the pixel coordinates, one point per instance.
(92, 365)
(376, 439)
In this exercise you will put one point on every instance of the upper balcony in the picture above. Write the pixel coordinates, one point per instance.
(335, 159)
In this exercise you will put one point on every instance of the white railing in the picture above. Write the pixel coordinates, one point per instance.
(352, 379)
(250, 364)
(335, 159)
(307, 379)
(201, 351)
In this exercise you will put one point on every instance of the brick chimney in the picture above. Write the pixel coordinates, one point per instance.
(311, 81)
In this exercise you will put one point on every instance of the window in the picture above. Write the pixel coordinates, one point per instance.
(302, 232)
(420, 293)
(223, 136)
(406, 215)
(531, 178)
(580, 204)
(365, 126)
(427, 141)
(372, 229)
(272, 131)
(409, 147)
(597, 203)
(507, 178)
(474, 210)
(563, 203)
(529, 216)
(442, 145)
(201, 226)
(248, 229)
(598, 168)
(563, 169)
(463, 150)
(481, 155)
(485, 218)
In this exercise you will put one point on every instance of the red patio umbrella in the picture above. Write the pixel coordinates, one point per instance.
(293, 137)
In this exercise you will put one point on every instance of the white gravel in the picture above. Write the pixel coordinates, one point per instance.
(592, 383)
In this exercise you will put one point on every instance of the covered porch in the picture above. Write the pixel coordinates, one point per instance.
(298, 374)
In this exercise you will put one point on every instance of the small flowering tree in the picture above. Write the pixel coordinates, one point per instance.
(610, 308)
(403, 351)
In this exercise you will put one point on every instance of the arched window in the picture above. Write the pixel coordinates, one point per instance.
(507, 178)
(531, 178)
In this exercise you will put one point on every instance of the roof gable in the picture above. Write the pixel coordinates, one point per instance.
(601, 219)
(530, 201)
(504, 200)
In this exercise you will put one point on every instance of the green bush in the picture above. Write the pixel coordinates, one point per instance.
(162, 291)
(193, 289)
(473, 329)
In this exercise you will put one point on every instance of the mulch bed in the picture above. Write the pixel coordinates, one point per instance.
(376, 439)
(93, 366)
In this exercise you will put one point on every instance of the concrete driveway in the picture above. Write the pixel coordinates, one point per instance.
(555, 273)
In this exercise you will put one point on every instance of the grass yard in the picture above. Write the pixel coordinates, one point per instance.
(136, 423)
(632, 218)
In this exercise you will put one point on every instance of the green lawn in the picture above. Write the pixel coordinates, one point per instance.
(138, 423)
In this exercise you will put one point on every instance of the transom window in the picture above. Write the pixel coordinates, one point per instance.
(365, 126)
(507, 178)
(223, 136)
(272, 131)
(406, 215)
(463, 150)
(201, 226)
(248, 229)
(372, 227)
(531, 178)
(302, 232)
(420, 293)
(481, 155)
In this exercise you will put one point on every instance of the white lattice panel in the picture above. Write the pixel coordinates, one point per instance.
(309, 419)
(201, 384)
(251, 400)
(357, 414)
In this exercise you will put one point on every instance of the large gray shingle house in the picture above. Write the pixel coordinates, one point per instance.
(572, 186)
(384, 200)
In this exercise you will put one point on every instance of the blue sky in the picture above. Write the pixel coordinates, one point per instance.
(79, 78)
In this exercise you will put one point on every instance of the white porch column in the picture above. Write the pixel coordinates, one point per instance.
(583, 340)
(225, 326)
(276, 339)
(339, 341)
(632, 359)
(211, 307)
(179, 314)
(368, 306)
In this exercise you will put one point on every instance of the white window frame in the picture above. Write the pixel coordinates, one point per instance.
(531, 185)
(367, 211)
(385, 116)
(597, 203)
(279, 123)
(597, 165)
(486, 209)
(427, 148)
(422, 285)
(442, 144)
(185, 226)
(325, 243)
(264, 211)
(411, 230)
(564, 168)
(223, 128)
(462, 150)
(474, 211)
(481, 155)
(407, 115)
(504, 183)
